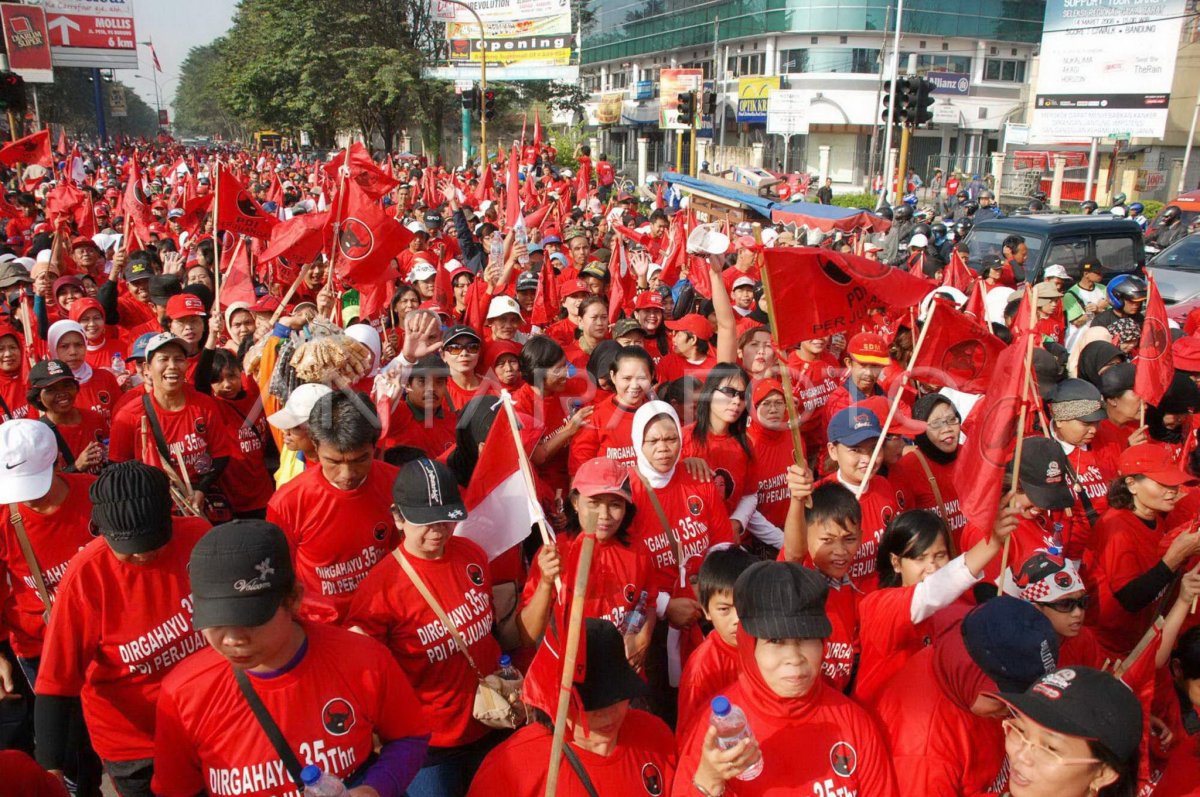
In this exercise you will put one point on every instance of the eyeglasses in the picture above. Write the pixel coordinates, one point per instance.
(459, 348)
(730, 392)
(1068, 605)
(938, 426)
(1040, 754)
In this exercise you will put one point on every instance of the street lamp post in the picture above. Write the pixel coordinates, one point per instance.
(157, 99)
(482, 77)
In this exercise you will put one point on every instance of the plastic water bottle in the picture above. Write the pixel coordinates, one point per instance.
(321, 784)
(497, 249)
(521, 237)
(118, 363)
(731, 725)
(508, 672)
(635, 619)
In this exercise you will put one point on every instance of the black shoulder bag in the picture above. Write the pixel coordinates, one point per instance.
(577, 765)
(267, 722)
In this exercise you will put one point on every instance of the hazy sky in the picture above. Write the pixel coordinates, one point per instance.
(175, 27)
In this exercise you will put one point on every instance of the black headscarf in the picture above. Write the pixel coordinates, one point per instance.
(1094, 357)
(474, 423)
(922, 409)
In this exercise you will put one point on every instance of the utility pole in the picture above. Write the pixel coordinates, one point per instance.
(483, 48)
(719, 89)
(887, 142)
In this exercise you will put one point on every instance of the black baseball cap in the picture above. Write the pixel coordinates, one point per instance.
(458, 331)
(1083, 702)
(433, 219)
(1044, 474)
(1116, 380)
(425, 492)
(782, 600)
(45, 373)
(609, 678)
(131, 507)
(241, 571)
(138, 270)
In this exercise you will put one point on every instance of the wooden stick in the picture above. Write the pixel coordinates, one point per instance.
(527, 474)
(887, 424)
(574, 631)
(287, 297)
(183, 472)
(789, 399)
(1123, 667)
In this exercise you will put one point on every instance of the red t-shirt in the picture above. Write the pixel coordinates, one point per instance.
(246, 482)
(1044, 532)
(137, 317)
(914, 486)
(457, 397)
(608, 433)
(888, 639)
(344, 689)
(115, 343)
(336, 536)
(841, 646)
(1128, 548)
(616, 579)
(92, 427)
(773, 454)
(432, 433)
(673, 366)
(642, 762)
(550, 411)
(813, 382)
(389, 608)
(696, 512)
(55, 537)
(604, 173)
(198, 431)
(115, 632)
(711, 669)
(879, 504)
(733, 469)
(25, 777)
(13, 390)
(1081, 650)
(100, 394)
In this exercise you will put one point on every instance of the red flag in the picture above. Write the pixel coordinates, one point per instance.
(623, 280)
(958, 352)
(537, 129)
(1026, 318)
(991, 434)
(237, 210)
(33, 149)
(61, 149)
(548, 301)
(676, 253)
(816, 292)
(486, 189)
(957, 275)
(62, 202)
(236, 282)
(512, 189)
(1155, 365)
(134, 206)
(538, 216)
(975, 306)
(299, 239)
(367, 239)
(443, 290)
(373, 181)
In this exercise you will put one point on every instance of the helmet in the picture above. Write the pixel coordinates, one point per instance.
(962, 195)
(884, 212)
(1169, 216)
(962, 227)
(1036, 206)
(903, 212)
(1040, 196)
(938, 229)
(970, 208)
(651, 178)
(924, 229)
(1119, 199)
(566, 173)
(986, 194)
(1136, 208)
(1088, 206)
(1126, 288)
(910, 200)
(1117, 210)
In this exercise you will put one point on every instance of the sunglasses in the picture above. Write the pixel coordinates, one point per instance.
(459, 348)
(1068, 605)
(730, 392)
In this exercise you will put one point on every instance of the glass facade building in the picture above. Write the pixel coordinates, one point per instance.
(630, 28)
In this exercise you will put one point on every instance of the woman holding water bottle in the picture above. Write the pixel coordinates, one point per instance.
(794, 732)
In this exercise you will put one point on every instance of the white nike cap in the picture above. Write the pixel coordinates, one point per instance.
(298, 407)
(27, 454)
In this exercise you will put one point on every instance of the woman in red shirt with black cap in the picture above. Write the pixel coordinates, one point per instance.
(809, 738)
(622, 751)
(122, 620)
(390, 607)
(328, 691)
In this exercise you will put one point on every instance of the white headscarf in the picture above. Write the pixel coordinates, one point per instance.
(368, 336)
(56, 332)
(641, 419)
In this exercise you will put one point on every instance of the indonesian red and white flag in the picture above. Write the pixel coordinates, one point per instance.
(501, 506)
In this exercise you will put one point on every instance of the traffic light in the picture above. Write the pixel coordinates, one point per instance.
(470, 100)
(919, 110)
(12, 92)
(895, 98)
(489, 105)
(687, 108)
(710, 103)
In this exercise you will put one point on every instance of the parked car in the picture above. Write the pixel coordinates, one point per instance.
(1176, 269)
(1063, 239)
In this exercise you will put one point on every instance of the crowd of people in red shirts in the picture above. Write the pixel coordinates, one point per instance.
(241, 551)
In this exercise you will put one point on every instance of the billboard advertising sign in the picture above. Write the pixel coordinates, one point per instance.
(950, 83)
(91, 33)
(523, 40)
(27, 42)
(752, 98)
(1106, 68)
(787, 112)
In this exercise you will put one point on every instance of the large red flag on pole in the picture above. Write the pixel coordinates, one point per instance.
(959, 352)
(1155, 365)
(32, 149)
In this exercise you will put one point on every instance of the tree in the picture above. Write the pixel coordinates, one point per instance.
(200, 106)
(70, 101)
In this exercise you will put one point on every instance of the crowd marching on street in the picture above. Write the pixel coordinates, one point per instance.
(357, 474)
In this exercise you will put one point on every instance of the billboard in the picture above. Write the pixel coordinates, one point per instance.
(1106, 68)
(27, 42)
(950, 83)
(91, 33)
(521, 40)
(608, 111)
(752, 98)
(672, 83)
(117, 104)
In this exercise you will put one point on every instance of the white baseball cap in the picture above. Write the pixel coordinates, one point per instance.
(743, 281)
(422, 271)
(27, 452)
(1056, 272)
(416, 226)
(502, 305)
(299, 406)
(918, 241)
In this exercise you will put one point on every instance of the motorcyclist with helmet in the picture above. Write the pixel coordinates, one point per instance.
(1138, 214)
(1126, 298)
(1088, 207)
(987, 207)
(1170, 228)
(902, 223)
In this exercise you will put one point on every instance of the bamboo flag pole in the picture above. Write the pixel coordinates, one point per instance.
(789, 399)
(574, 631)
(527, 474)
(343, 173)
(216, 211)
(887, 424)
(291, 291)
(1016, 461)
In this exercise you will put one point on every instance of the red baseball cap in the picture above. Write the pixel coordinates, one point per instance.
(647, 300)
(869, 348)
(764, 388)
(603, 476)
(1185, 353)
(81, 306)
(694, 323)
(83, 240)
(267, 304)
(185, 305)
(572, 287)
(1154, 462)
